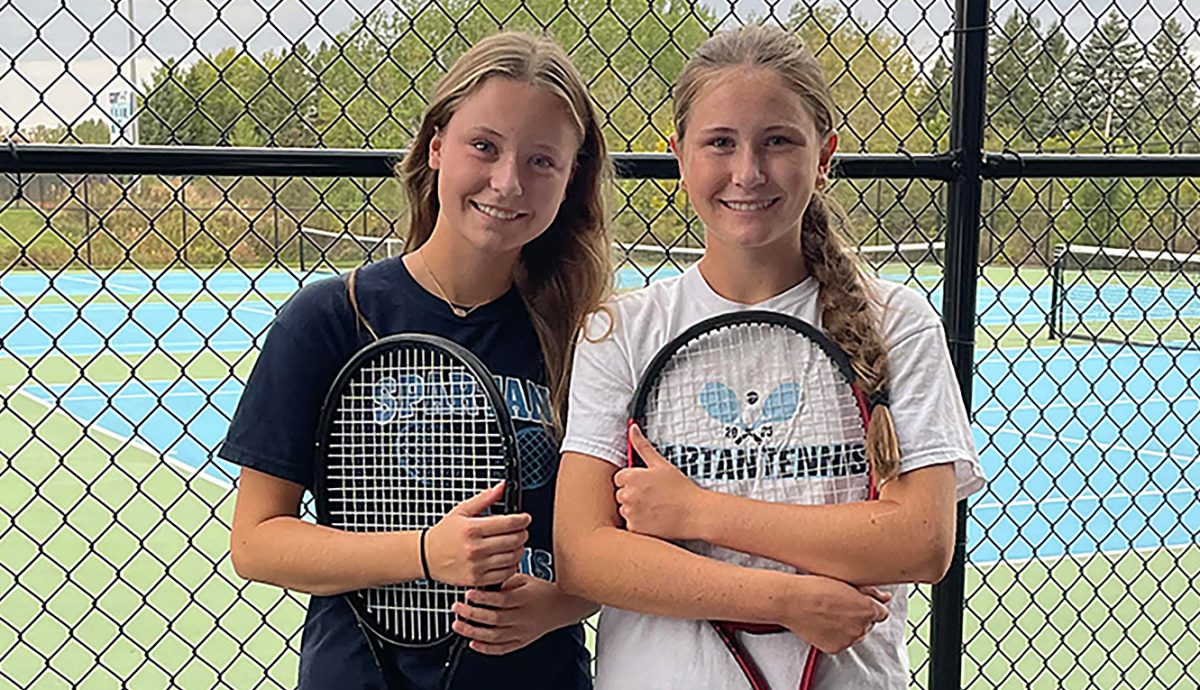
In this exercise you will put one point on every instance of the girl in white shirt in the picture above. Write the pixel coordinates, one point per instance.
(754, 140)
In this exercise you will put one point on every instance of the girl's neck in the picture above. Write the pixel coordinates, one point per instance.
(750, 276)
(460, 273)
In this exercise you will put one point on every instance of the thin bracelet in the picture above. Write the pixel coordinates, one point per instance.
(425, 563)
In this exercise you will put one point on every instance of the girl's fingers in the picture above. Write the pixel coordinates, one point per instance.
(484, 616)
(497, 575)
(507, 543)
(494, 525)
(501, 561)
(486, 634)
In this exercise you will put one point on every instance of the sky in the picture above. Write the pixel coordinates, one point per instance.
(59, 59)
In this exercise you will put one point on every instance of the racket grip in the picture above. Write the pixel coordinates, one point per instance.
(754, 628)
(810, 668)
(631, 459)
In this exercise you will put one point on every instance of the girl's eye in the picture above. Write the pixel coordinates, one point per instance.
(543, 162)
(483, 146)
(778, 141)
(721, 143)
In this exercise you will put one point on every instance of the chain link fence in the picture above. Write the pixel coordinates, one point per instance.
(137, 283)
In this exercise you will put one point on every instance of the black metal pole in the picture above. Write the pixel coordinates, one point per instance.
(87, 223)
(958, 304)
(183, 241)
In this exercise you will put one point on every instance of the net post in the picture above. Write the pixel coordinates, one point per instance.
(1054, 316)
(300, 249)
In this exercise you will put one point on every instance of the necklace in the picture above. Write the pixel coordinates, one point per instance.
(459, 310)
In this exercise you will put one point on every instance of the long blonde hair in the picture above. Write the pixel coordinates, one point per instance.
(565, 273)
(847, 310)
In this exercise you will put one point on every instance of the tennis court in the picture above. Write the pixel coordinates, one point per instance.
(124, 389)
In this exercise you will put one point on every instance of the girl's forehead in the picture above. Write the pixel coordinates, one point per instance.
(745, 97)
(517, 109)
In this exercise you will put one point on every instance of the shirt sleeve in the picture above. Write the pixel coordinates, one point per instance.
(601, 387)
(926, 405)
(275, 425)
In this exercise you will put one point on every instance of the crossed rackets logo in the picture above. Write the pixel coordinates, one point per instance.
(753, 416)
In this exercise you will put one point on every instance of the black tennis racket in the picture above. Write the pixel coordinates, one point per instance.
(412, 426)
(762, 405)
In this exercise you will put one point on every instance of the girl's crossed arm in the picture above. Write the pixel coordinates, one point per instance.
(601, 561)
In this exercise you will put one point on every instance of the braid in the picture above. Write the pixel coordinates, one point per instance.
(847, 315)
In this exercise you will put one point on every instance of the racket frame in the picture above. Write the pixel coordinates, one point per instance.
(727, 630)
(510, 502)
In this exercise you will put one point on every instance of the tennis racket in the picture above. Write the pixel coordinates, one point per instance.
(412, 426)
(761, 405)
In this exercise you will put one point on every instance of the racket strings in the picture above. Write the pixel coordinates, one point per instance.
(760, 410)
(414, 435)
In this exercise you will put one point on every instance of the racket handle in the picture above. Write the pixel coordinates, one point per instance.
(753, 628)
(749, 669)
(810, 668)
(630, 458)
(451, 668)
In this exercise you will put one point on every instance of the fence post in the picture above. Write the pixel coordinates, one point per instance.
(964, 195)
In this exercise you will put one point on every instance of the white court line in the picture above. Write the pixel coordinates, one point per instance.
(92, 281)
(145, 396)
(129, 441)
(1083, 498)
(999, 407)
(1173, 548)
(1080, 354)
(129, 308)
(1089, 442)
(218, 346)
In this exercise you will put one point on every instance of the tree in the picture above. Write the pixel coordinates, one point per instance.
(1170, 108)
(166, 107)
(1013, 101)
(1108, 79)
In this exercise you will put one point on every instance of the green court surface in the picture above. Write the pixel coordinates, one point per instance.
(122, 559)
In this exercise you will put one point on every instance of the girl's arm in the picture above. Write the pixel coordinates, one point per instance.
(905, 536)
(270, 543)
(600, 561)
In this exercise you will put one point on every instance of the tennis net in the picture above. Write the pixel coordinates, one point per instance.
(1125, 296)
(323, 250)
(640, 264)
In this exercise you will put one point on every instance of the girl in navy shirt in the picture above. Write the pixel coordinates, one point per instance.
(506, 254)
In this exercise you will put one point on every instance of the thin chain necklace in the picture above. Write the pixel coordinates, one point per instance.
(460, 311)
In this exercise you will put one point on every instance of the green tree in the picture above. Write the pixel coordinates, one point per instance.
(1048, 76)
(93, 131)
(931, 101)
(1108, 78)
(1171, 105)
(870, 74)
(166, 107)
(1012, 97)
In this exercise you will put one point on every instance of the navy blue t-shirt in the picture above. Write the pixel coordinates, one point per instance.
(274, 429)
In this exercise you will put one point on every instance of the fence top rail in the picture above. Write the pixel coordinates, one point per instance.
(67, 159)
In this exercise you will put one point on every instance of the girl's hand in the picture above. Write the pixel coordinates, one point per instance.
(466, 550)
(830, 614)
(658, 500)
(524, 609)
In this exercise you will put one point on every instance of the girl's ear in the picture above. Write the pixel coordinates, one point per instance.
(827, 150)
(673, 144)
(435, 150)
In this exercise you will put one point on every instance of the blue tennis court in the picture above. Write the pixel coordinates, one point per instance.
(1087, 448)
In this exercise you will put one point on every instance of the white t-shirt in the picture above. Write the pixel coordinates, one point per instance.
(651, 652)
